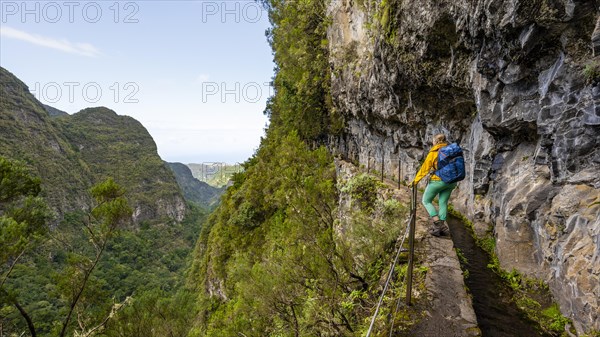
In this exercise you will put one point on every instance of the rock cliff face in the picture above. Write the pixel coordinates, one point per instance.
(517, 84)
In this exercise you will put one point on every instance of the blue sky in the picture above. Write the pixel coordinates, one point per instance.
(194, 73)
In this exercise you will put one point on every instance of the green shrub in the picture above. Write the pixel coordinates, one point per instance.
(556, 321)
(591, 71)
(363, 188)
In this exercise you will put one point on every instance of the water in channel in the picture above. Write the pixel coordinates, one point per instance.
(496, 314)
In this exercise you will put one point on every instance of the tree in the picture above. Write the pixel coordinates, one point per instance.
(155, 313)
(24, 219)
(111, 212)
(23, 215)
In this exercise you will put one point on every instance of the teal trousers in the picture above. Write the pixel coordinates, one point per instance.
(433, 189)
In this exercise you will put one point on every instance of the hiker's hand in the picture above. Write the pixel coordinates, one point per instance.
(411, 184)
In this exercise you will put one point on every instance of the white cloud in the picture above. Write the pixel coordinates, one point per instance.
(85, 49)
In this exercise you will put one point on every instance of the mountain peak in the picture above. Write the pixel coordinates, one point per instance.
(72, 152)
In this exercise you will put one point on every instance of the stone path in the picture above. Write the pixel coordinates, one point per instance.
(448, 308)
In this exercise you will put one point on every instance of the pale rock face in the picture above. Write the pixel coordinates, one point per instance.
(506, 79)
(173, 209)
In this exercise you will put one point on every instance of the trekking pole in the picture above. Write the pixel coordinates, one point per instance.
(411, 244)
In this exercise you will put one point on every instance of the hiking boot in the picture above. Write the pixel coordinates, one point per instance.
(444, 230)
(435, 228)
(439, 228)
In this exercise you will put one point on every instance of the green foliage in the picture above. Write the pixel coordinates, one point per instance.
(488, 243)
(369, 231)
(51, 292)
(363, 188)
(555, 320)
(526, 294)
(112, 207)
(24, 221)
(392, 210)
(107, 191)
(302, 100)
(549, 317)
(513, 279)
(461, 257)
(463, 262)
(134, 263)
(24, 217)
(272, 259)
(591, 72)
(16, 181)
(154, 313)
(271, 244)
(387, 21)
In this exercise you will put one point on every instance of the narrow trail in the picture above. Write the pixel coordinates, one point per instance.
(449, 313)
(445, 305)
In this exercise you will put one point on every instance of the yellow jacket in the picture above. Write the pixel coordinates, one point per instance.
(429, 163)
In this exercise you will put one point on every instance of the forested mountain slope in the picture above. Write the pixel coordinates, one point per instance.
(515, 82)
(63, 261)
(70, 153)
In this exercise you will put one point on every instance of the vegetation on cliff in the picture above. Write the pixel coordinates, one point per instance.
(302, 100)
(25, 229)
(274, 258)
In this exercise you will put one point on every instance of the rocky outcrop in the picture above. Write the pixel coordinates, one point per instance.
(516, 82)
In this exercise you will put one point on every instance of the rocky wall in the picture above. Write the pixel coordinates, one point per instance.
(517, 83)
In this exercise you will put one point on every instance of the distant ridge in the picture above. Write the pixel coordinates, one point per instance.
(215, 174)
(193, 189)
(54, 112)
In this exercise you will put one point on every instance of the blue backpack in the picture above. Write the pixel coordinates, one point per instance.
(450, 164)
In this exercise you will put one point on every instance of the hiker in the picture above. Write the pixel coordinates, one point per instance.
(435, 187)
